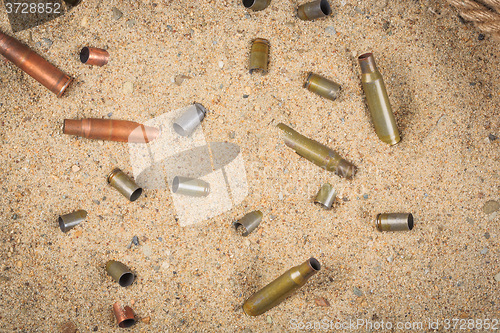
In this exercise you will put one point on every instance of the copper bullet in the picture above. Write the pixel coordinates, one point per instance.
(125, 316)
(110, 130)
(94, 56)
(34, 65)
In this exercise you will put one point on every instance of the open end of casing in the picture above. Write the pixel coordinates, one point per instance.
(410, 221)
(365, 56)
(314, 264)
(127, 323)
(248, 3)
(84, 54)
(61, 224)
(136, 194)
(179, 130)
(325, 7)
(175, 184)
(126, 279)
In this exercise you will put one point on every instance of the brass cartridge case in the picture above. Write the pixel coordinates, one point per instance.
(124, 184)
(120, 273)
(394, 222)
(317, 153)
(190, 186)
(110, 130)
(259, 56)
(313, 10)
(278, 290)
(249, 222)
(256, 5)
(125, 316)
(378, 100)
(94, 56)
(326, 196)
(71, 220)
(190, 119)
(322, 86)
(73, 2)
(34, 65)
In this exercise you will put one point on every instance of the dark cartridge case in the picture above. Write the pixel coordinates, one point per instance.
(125, 316)
(110, 130)
(94, 56)
(317, 153)
(326, 196)
(190, 186)
(71, 220)
(378, 100)
(120, 273)
(313, 10)
(190, 119)
(278, 290)
(249, 222)
(124, 184)
(322, 86)
(73, 2)
(256, 5)
(394, 222)
(34, 65)
(259, 56)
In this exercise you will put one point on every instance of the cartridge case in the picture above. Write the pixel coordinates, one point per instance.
(322, 86)
(110, 130)
(124, 184)
(34, 65)
(190, 186)
(378, 100)
(256, 5)
(73, 2)
(278, 290)
(94, 56)
(259, 56)
(313, 10)
(190, 119)
(120, 273)
(317, 153)
(326, 196)
(394, 222)
(249, 222)
(71, 220)
(125, 316)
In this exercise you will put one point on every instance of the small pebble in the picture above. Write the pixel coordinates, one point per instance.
(357, 291)
(128, 87)
(330, 30)
(490, 207)
(75, 168)
(280, 196)
(135, 240)
(117, 14)
(492, 137)
(160, 239)
(232, 135)
(14, 216)
(110, 114)
(221, 64)
(146, 320)
(247, 16)
(47, 42)
(130, 23)
(84, 22)
(245, 96)
(484, 251)
(247, 330)
(97, 202)
(497, 277)
(487, 235)
(390, 258)
(480, 37)
(320, 301)
(365, 196)
(269, 319)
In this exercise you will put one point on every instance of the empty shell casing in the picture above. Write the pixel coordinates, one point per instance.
(278, 290)
(190, 119)
(110, 130)
(259, 56)
(120, 273)
(71, 220)
(378, 100)
(322, 86)
(313, 10)
(34, 65)
(249, 222)
(190, 186)
(256, 5)
(94, 56)
(73, 2)
(317, 153)
(124, 184)
(326, 196)
(125, 316)
(394, 222)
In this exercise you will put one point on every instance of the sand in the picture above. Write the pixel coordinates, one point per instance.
(443, 83)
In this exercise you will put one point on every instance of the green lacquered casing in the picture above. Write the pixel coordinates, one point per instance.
(378, 101)
(256, 5)
(278, 290)
(259, 56)
(120, 273)
(326, 196)
(322, 86)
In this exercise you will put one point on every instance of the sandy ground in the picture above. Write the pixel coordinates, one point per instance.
(443, 83)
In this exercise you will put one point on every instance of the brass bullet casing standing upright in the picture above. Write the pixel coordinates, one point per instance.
(378, 100)
(190, 119)
(125, 316)
(317, 153)
(326, 196)
(256, 5)
(94, 56)
(124, 184)
(313, 10)
(190, 186)
(394, 222)
(34, 65)
(110, 130)
(278, 290)
(259, 56)
(120, 273)
(322, 86)
(71, 220)
(249, 222)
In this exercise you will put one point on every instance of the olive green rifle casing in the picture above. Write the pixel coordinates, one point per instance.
(124, 184)
(317, 153)
(278, 290)
(120, 273)
(313, 10)
(249, 222)
(256, 5)
(259, 56)
(378, 100)
(394, 222)
(71, 220)
(190, 186)
(322, 86)
(326, 196)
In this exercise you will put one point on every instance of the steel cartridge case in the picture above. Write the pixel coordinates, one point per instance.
(125, 316)
(110, 130)
(124, 184)
(190, 119)
(256, 5)
(73, 2)
(326, 196)
(120, 273)
(322, 86)
(94, 56)
(249, 222)
(313, 10)
(378, 100)
(259, 56)
(394, 222)
(278, 290)
(190, 186)
(71, 220)
(317, 153)
(34, 65)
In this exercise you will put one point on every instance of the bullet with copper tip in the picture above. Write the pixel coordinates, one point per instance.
(125, 316)
(94, 56)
